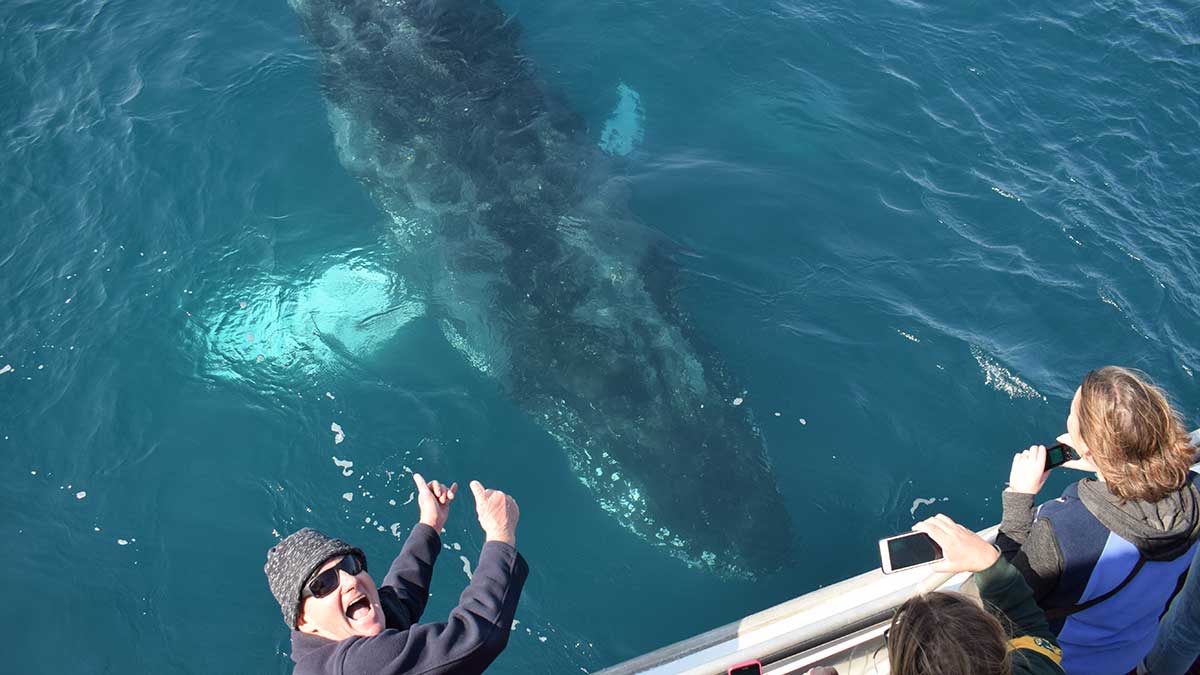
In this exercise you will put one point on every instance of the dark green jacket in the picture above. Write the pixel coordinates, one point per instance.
(1002, 587)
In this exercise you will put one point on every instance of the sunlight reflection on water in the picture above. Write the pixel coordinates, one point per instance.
(351, 310)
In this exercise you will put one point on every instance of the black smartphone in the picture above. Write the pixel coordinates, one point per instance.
(908, 550)
(746, 668)
(1059, 454)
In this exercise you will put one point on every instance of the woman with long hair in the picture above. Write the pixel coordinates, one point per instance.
(1104, 559)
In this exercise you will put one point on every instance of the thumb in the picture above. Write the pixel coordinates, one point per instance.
(422, 486)
(1064, 438)
(477, 490)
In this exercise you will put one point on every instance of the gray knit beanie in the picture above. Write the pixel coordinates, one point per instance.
(292, 561)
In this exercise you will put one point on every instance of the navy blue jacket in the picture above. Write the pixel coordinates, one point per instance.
(468, 642)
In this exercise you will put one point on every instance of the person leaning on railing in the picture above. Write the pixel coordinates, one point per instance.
(1104, 558)
(947, 632)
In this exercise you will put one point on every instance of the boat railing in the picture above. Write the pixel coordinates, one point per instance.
(839, 624)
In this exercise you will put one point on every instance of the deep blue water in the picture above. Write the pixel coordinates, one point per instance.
(909, 228)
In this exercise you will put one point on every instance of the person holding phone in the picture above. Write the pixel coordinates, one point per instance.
(948, 632)
(1104, 558)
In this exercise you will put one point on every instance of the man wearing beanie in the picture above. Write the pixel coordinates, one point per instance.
(342, 624)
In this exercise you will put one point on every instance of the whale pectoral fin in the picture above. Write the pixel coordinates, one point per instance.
(625, 128)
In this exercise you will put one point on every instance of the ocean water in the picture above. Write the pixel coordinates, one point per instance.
(908, 230)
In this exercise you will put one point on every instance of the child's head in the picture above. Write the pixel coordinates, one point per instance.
(1125, 426)
(945, 633)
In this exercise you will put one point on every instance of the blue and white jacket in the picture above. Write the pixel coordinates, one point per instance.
(1103, 569)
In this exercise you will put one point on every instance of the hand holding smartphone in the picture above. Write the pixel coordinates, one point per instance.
(964, 550)
(904, 551)
(939, 540)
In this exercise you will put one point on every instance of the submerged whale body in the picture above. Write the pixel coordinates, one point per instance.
(539, 275)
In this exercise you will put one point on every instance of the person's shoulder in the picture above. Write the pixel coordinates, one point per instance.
(1071, 517)
(314, 655)
(1071, 492)
(1069, 501)
(355, 654)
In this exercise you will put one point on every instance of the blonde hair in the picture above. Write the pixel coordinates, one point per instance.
(1135, 436)
(945, 633)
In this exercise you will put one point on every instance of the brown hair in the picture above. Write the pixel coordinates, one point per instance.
(945, 633)
(1136, 438)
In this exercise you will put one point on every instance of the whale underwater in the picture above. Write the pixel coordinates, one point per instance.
(518, 228)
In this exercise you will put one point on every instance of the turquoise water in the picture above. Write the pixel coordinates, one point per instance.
(907, 231)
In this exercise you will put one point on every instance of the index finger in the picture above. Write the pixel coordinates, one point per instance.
(422, 486)
(944, 520)
(934, 528)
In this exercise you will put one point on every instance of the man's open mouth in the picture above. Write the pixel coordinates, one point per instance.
(359, 609)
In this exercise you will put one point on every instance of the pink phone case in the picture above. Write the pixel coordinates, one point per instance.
(744, 664)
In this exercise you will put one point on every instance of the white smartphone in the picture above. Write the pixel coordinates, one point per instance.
(911, 549)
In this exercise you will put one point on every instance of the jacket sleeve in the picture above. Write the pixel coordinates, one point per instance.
(405, 589)
(1002, 587)
(1029, 544)
(473, 636)
(1016, 521)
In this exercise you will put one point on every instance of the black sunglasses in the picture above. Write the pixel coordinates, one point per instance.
(324, 583)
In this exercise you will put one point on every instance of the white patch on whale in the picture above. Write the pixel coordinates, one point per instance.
(625, 128)
(622, 498)
(456, 340)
